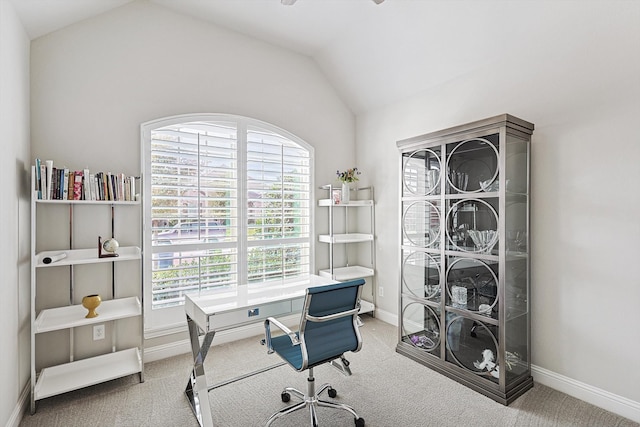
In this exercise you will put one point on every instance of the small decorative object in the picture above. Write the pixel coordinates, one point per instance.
(347, 177)
(488, 364)
(484, 309)
(484, 240)
(422, 341)
(107, 248)
(345, 193)
(91, 302)
(54, 258)
(459, 296)
(335, 195)
(487, 361)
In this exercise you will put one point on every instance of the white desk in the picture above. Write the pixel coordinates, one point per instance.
(210, 312)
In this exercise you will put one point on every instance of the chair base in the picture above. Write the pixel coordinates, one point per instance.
(312, 401)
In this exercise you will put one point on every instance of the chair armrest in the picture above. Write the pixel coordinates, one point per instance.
(267, 332)
(333, 316)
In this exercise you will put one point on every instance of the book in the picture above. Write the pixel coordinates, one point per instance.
(110, 186)
(43, 182)
(92, 186)
(121, 183)
(65, 184)
(77, 185)
(86, 188)
(38, 180)
(53, 183)
(49, 166)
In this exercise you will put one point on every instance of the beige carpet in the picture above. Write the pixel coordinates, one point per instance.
(386, 389)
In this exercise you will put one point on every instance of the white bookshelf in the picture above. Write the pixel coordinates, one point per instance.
(344, 230)
(52, 379)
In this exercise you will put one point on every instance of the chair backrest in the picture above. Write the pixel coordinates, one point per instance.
(328, 327)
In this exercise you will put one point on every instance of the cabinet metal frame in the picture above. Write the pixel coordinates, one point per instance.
(504, 126)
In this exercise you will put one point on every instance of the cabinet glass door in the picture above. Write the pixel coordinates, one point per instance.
(421, 172)
(472, 164)
(472, 285)
(421, 327)
(421, 275)
(473, 346)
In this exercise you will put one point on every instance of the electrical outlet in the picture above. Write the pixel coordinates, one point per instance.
(380, 291)
(98, 332)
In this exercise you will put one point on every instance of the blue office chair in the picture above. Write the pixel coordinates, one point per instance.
(328, 329)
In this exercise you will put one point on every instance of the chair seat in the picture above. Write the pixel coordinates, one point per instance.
(291, 353)
(329, 343)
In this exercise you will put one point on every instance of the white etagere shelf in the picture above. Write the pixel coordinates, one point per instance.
(118, 362)
(340, 268)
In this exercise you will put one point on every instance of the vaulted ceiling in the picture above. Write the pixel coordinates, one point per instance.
(377, 54)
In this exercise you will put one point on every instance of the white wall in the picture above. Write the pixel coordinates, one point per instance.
(95, 82)
(14, 215)
(584, 99)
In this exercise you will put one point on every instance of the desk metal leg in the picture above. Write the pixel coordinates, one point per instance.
(197, 389)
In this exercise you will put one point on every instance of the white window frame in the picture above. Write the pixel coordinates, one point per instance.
(164, 321)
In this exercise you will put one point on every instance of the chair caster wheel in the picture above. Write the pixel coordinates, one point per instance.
(285, 396)
(332, 392)
(359, 422)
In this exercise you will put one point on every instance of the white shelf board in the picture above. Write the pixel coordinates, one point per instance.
(87, 202)
(54, 319)
(86, 256)
(345, 238)
(352, 203)
(83, 373)
(348, 273)
(366, 307)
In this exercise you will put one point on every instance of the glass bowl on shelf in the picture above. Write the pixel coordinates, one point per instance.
(483, 239)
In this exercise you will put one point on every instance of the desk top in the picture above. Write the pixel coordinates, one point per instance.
(206, 305)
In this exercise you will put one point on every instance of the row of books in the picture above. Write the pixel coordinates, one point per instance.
(53, 183)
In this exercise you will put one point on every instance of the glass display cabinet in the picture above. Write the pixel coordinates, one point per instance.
(464, 291)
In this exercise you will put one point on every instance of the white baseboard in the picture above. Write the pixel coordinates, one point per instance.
(387, 317)
(21, 407)
(601, 398)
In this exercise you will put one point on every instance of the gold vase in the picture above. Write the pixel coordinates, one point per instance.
(91, 302)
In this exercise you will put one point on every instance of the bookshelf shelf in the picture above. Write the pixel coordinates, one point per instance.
(345, 238)
(86, 372)
(87, 202)
(71, 316)
(348, 273)
(86, 256)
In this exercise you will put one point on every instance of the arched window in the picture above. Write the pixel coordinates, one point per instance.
(227, 202)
